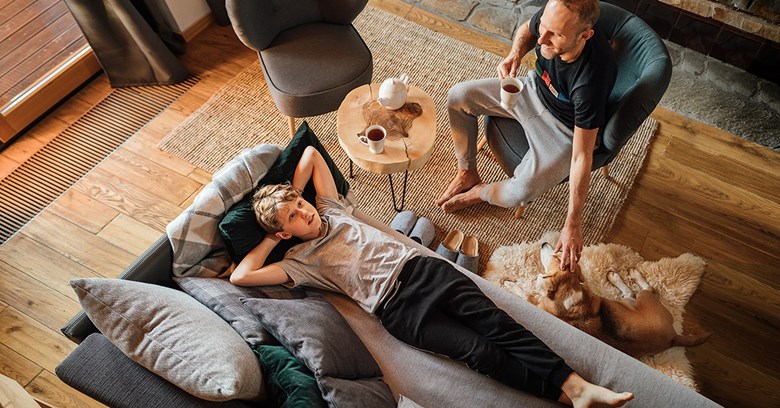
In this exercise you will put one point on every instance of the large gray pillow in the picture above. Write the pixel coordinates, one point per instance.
(316, 333)
(174, 336)
(221, 296)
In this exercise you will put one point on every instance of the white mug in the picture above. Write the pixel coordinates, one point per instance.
(374, 137)
(510, 91)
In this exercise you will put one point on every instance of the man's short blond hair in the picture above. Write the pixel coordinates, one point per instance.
(587, 10)
(269, 200)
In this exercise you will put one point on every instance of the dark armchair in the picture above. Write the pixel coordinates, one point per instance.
(644, 72)
(310, 53)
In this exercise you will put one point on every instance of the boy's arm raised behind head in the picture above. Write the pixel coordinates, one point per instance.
(313, 167)
(251, 272)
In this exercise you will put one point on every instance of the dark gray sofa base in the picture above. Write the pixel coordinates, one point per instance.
(100, 370)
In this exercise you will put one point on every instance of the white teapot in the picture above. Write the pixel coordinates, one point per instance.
(392, 92)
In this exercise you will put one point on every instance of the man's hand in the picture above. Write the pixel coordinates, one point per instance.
(570, 246)
(509, 66)
(523, 42)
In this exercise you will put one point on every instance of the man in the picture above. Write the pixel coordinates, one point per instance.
(561, 110)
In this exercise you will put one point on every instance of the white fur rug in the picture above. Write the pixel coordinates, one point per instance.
(515, 268)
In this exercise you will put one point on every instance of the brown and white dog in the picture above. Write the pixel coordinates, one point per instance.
(637, 327)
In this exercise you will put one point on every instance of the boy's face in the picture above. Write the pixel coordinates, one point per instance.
(299, 219)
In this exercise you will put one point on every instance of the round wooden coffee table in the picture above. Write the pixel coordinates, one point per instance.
(410, 139)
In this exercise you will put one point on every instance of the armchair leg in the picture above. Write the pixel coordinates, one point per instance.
(519, 212)
(605, 172)
(291, 122)
(481, 144)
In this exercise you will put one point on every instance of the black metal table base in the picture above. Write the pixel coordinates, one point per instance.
(392, 188)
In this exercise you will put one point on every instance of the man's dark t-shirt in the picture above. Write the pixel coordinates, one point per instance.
(576, 93)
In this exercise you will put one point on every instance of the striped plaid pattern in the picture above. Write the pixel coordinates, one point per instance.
(198, 248)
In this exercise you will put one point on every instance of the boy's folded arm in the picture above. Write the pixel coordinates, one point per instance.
(312, 166)
(267, 275)
(251, 272)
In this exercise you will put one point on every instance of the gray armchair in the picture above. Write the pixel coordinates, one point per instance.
(310, 53)
(644, 71)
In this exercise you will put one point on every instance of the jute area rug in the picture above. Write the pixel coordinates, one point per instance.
(242, 114)
(516, 267)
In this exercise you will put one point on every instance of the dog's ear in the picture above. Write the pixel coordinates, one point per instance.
(578, 271)
(548, 284)
(547, 254)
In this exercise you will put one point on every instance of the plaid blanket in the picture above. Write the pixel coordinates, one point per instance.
(198, 249)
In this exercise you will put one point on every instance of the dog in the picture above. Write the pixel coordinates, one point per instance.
(637, 326)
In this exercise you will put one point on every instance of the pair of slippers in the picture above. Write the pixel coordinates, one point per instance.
(461, 249)
(419, 229)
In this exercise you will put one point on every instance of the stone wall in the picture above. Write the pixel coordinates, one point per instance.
(501, 17)
(733, 89)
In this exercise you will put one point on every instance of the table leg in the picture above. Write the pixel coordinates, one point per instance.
(403, 192)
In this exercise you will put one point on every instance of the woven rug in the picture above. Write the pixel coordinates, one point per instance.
(515, 268)
(242, 114)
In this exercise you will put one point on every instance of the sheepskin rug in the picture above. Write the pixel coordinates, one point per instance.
(515, 268)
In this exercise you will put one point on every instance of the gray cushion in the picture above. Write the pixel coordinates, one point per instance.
(332, 58)
(221, 296)
(318, 335)
(404, 402)
(174, 336)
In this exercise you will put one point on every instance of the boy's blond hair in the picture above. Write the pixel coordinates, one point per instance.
(268, 200)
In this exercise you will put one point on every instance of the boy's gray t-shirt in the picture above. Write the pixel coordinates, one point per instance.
(349, 257)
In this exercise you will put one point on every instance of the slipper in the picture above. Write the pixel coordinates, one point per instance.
(450, 247)
(403, 222)
(423, 232)
(469, 254)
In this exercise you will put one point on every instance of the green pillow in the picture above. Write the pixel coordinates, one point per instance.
(289, 384)
(239, 228)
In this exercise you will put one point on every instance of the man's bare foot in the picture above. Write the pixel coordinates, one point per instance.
(463, 181)
(581, 394)
(463, 200)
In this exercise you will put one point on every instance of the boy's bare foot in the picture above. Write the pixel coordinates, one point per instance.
(581, 394)
(463, 181)
(463, 200)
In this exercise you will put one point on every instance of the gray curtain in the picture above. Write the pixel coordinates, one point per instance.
(132, 41)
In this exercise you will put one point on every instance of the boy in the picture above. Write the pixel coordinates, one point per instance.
(422, 301)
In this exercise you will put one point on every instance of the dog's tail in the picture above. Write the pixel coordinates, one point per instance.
(690, 340)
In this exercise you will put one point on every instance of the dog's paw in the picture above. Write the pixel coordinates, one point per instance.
(640, 280)
(615, 279)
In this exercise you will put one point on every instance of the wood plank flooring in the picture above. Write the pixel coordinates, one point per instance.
(702, 191)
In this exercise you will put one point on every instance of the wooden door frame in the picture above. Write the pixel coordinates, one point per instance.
(41, 96)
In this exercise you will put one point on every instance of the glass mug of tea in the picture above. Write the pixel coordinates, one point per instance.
(510, 91)
(374, 138)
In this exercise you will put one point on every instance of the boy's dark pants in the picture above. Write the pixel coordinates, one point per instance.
(439, 309)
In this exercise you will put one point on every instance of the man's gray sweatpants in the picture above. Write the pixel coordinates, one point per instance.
(550, 142)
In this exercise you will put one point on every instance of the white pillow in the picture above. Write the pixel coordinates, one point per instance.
(173, 335)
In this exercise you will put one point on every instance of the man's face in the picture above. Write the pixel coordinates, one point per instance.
(560, 30)
(299, 219)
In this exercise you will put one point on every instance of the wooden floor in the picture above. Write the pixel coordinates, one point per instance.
(702, 191)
